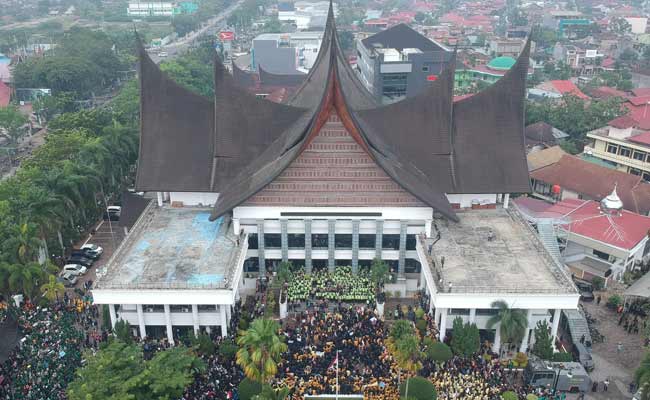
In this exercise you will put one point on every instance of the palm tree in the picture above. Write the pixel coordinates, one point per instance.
(408, 356)
(401, 330)
(512, 322)
(24, 278)
(260, 350)
(23, 242)
(642, 377)
(268, 393)
(52, 289)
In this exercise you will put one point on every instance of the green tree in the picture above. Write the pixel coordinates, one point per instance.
(420, 389)
(21, 279)
(439, 352)
(52, 289)
(512, 322)
(642, 377)
(269, 393)
(543, 346)
(407, 354)
(260, 350)
(619, 25)
(23, 243)
(122, 331)
(379, 273)
(465, 339)
(12, 124)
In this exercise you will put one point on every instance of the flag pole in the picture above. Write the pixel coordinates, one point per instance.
(337, 374)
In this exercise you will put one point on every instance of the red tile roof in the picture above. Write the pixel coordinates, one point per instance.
(641, 138)
(596, 182)
(641, 91)
(605, 92)
(622, 122)
(584, 217)
(568, 87)
(5, 94)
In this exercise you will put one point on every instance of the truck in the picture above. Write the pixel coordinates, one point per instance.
(561, 376)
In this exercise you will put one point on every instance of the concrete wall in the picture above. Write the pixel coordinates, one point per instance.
(273, 59)
(194, 198)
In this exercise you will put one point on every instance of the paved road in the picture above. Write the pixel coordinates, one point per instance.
(108, 235)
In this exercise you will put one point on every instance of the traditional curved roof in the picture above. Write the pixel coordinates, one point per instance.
(271, 79)
(238, 144)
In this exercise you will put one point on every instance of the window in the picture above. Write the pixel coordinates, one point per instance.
(625, 151)
(486, 311)
(253, 241)
(638, 155)
(459, 311)
(425, 68)
(635, 171)
(612, 148)
(646, 177)
(272, 240)
(366, 241)
(343, 241)
(319, 240)
(364, 265)
(601, 255)
(390, 242)
(252, 265)
(319, 265)
(296, 240)
(410, 242)
(394, 85)
(392, 264)
(207, 307)
(412, 266)
(180, 308)
(153, 308)
(343, 263)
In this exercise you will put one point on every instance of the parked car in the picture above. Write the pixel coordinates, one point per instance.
(74, 268)
(112, 213)
(586, 296)
(83, 253)
(583, 356)
(92, 248)
(583, 285)
(68, 279)
(85, 261)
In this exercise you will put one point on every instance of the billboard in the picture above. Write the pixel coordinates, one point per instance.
(226, 36)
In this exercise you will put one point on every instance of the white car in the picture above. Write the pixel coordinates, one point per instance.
(75, 269)
(92, 248)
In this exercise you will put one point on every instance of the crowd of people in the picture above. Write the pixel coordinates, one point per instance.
(471, 379)
(44, 362)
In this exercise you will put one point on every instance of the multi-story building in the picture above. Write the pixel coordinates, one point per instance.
(623, 146)
(285, 53)
(399, 62)
(305, 14)
(150, 9)
(331, 178)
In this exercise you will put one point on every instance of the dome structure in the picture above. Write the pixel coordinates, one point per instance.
(612, 203)
(501, 63)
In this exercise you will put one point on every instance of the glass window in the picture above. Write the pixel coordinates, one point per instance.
(390, 242)
(410, 242)
(252, 264)
(207, 307)
(319, 265)
(153, 308)
(253, 241)
(602, 255)
(425, 68)
(180, 308)
(412, 266)
(319, 240)
(366, 241)
(272, 240)
(343, 263)
(392, 264)
(272, 265)
(343, 241)
(364, 265)
(612, 148)
(638, 155)
(296, 240)
(486, 311)
(297, 264)
(394, 85)
(459, 311)
(646, 177)
(625, 151)
(635, 171)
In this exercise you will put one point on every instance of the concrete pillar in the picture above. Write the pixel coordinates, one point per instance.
(496, 346)
(443, 323)
(427, 228)
(308, 264)
(331, 256)
(402, 248)
(355, 245)
(143, 328)
(236, 226)
(260, 246)
(208, 330)
(436, 316)
(556, 325)
(195, 319)
(228, 312)
(284, 240)
(159, 197)
(379, 238)
(524, 341)
(472, 315)
(111, 311)
(506, 200)
(168, 323)
(224, 321)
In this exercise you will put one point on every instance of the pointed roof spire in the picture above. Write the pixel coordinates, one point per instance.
(612, 202)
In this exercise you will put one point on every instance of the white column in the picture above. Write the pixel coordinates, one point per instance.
(111, 311)
(159, 196)
(472, 315)
(168, 323)
(195, 319)
(208, 329)
(506, 200)
(524, 342)
(427, 227)
(228, 312)
(556, 324)
(143, 328)
(235, 226)
(224, 321)
(436, 315)
(496, 346)
(443, 323)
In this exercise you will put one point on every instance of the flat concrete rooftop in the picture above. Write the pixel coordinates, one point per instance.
(494, 251)
(174, 248)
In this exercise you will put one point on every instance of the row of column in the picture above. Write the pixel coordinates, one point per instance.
(331, 244)
(440, 317)
(223, 310)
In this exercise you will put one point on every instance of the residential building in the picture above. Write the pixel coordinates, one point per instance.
(638, 24)
(150, 9)
(331, 178)
(507, 47)
(285, 53)
(467, 75)
(622, 145)
(305, 14)
(556, 89)
(541, 135)
(584, 60)
(399, 62)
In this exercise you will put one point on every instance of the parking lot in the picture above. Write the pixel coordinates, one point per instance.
(108, 235)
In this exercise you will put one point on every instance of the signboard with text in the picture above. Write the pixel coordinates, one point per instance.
(226, 36)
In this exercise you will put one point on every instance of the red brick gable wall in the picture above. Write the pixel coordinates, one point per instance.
(334, 170)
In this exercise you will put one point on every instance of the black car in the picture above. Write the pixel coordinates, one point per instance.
(84, 253)
(583, 286)
(85, 261)
(586, 295)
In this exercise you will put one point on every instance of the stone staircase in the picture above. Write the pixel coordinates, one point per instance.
(577, 325)
(547, 235)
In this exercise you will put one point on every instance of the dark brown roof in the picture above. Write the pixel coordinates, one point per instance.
(282, 80)
(132, 207)
(428, 144)
(400, 37)
(596, 182)
(540, 133)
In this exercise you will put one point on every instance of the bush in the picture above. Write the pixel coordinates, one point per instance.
(531, 397)
(439, 352)
(562, 357)
(243, 324)
(419, 313)
(598, 283)
(248, 389)
(509, 396)
(419, 389)
(521, 360)
(204, 345)
(421, 325)
(614, 301)
(228, 349)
